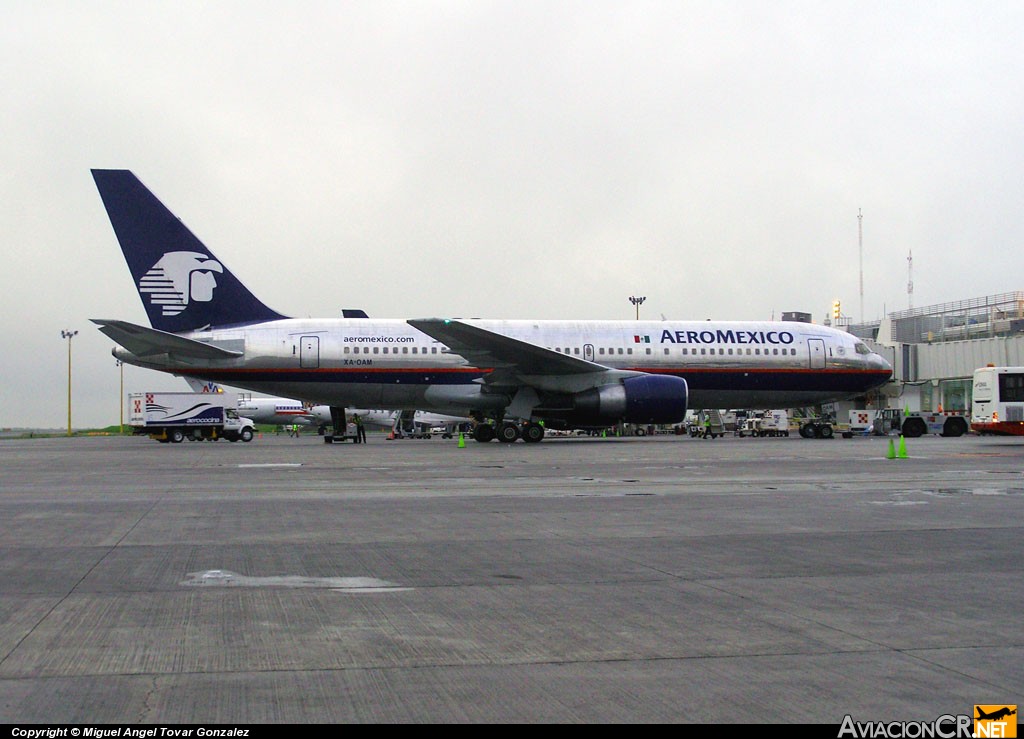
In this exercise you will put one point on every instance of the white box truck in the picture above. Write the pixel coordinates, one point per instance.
(174, 417)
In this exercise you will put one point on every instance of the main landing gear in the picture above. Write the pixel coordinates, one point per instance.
(508, 432)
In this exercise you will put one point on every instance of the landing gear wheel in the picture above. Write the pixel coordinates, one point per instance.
(483, 432)
(826, 432)
(532, 433)
(508, 433)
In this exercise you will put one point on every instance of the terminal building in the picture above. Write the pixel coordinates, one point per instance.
(935, 349)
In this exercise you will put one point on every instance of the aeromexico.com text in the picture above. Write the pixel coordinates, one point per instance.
(379, 339)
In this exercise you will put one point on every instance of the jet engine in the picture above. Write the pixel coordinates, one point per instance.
(646, 399)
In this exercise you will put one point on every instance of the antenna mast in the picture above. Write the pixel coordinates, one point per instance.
(910, 279)
(860, 240)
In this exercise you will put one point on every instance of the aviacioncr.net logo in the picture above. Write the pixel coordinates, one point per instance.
(995, 722)
(179, 278)
(946, 726)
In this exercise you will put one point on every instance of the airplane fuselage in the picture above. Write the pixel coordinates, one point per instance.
(377, 363)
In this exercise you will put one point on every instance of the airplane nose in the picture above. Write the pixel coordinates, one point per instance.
(878, 362)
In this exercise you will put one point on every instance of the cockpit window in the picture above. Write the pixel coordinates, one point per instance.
(861, 348)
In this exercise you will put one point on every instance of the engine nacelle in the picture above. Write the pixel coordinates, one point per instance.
(462, 398)
(645, 399)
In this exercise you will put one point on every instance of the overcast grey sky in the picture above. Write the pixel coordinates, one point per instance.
(505, 160)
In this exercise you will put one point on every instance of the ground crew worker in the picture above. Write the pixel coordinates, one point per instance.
(360, 430)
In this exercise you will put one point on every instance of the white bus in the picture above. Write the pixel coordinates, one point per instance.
(998, 401)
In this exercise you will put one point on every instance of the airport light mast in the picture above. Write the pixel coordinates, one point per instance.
(120, 403)
(69, 335)
(637, 302)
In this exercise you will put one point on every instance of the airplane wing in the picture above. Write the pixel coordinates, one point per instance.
(483, 348)
(146, 342)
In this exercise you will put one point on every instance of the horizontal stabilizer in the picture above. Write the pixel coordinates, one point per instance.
(148, 342)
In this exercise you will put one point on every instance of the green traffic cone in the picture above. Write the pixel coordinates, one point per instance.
(903, 448)
(892, 450)
(462, 441)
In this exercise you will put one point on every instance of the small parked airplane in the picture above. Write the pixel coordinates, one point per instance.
(286, 411)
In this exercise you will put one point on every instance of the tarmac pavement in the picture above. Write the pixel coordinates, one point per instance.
(659, 579)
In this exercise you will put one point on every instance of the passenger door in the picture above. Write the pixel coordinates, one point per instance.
(309, 352)
(816, 351)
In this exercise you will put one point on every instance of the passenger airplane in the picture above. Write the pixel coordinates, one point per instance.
(566, 374)
(285, 411)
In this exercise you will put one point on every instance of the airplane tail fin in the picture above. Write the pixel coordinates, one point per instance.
(203, 386)
(182, 284)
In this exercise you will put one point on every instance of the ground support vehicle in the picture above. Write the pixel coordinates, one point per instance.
(817, 427)
(775, 423)
(997, 401)
(917, 423)
(769, 423)
(174, 417)
(751, 427)
(708, 424)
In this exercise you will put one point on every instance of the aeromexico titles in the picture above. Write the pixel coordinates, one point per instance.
(509, 375)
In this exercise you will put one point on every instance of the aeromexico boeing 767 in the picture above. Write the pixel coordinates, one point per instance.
(518, 374)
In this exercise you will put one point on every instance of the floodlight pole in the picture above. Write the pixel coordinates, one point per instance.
(120, 403)
(637, 301)
(69, 335)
